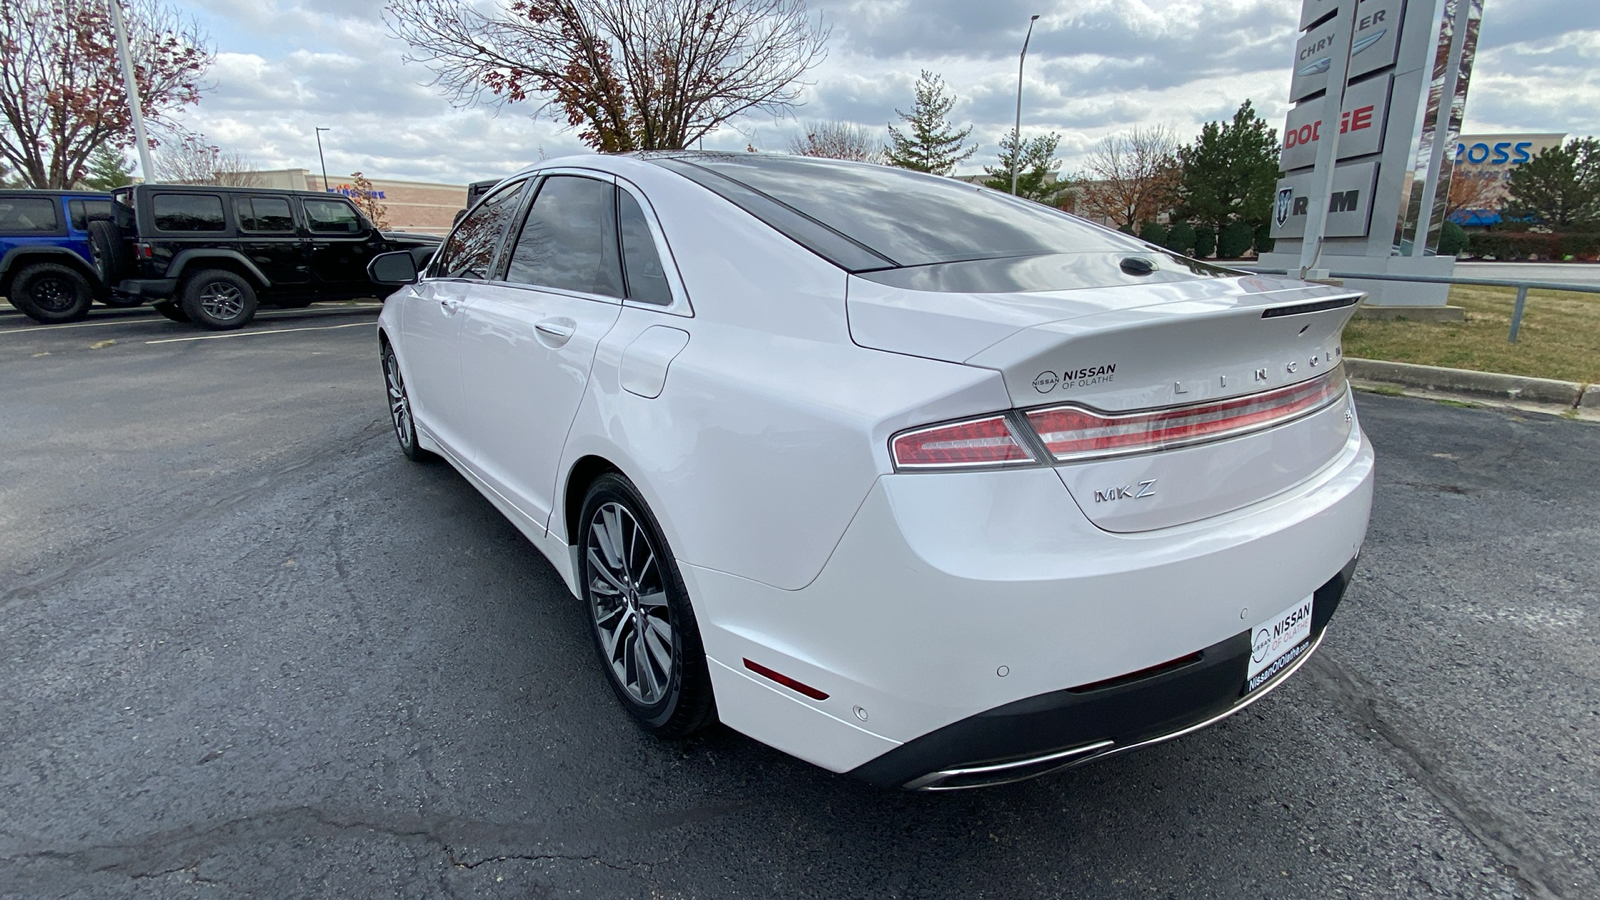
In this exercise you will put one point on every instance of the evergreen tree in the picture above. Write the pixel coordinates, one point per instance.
(107, 169)
(933, 144)
(1560, 186)
(1230, 173)
(1037, 170)
(1180, 238)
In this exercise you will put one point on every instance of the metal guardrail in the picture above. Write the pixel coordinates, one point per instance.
(1521, 286)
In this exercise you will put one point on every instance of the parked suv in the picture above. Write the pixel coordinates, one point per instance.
(53, 246)
(211, 255)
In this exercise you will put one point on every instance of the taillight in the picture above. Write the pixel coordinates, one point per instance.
(1074, 433)
(990, 441)
(144, 251)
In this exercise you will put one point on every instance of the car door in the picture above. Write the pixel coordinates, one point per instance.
(431, 319)
(269, 237)
(342, 243)
(528, 341)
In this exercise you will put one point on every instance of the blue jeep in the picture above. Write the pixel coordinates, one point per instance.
(53, 251)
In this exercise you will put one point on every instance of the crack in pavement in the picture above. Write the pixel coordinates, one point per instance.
(1492, 828)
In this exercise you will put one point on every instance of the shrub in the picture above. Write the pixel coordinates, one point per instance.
(1235, 240)
(1452, 239)
(1580, 246)
(1515, 245)
(1264, 241)
(1180, 238)
(1126, 228)
(1205, 242)
(1153, 233)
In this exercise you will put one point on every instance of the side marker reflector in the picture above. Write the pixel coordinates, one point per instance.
(785, 680)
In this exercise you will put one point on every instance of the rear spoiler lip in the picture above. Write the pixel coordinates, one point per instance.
(1299, 309)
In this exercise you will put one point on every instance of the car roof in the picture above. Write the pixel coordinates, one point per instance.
(214, 188)
(53, 192)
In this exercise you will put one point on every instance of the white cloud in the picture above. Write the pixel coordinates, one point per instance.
(1094, 67)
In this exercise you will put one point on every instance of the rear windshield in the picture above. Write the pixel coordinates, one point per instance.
(901, 218)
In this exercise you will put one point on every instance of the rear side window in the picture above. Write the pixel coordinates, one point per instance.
(469, 252)
(264, 214)
(332, 217)
(647, 280)
(569, 239)
(29, 215)
(187, 212)
(82, 212)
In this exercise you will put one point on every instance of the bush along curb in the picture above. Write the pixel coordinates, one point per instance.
(1492, 385)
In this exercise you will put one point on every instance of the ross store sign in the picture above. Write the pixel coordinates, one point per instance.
(1349, 204)
(1361, 127)
(1376, 42)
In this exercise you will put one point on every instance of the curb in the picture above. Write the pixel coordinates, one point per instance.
(1516, 388)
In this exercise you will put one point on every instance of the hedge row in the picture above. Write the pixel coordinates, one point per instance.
(1235, 241)
(1533, 245)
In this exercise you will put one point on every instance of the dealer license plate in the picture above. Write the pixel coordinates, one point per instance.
(1276, 643)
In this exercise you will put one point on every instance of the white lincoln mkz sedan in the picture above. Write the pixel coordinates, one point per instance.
(905, 477)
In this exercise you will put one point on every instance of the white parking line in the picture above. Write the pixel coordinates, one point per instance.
(125, 318)
(234, 334)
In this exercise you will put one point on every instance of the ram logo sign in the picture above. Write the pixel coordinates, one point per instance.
(1349, 203)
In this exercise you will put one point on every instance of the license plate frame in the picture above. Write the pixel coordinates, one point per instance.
(1276, 643)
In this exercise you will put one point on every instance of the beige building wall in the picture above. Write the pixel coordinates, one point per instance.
(409, 205)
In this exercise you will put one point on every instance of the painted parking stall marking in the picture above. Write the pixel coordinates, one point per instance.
(1276, 643)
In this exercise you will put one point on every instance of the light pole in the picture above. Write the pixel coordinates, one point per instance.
(324, 162)
(132, 87)
(1016, 133)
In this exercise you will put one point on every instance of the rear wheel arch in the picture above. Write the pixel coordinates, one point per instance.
(23, 257)
(583, 473)
(186, 266)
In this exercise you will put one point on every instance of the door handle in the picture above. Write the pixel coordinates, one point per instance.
(449, 306)
(557, 331)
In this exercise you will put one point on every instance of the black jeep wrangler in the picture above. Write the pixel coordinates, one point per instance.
(210, 255)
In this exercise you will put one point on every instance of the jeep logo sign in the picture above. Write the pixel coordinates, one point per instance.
(1349, 203)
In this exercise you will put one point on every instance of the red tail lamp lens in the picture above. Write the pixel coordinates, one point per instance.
(978, 442)
(1072, 433)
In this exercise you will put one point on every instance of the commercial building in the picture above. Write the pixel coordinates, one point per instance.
(409, 205)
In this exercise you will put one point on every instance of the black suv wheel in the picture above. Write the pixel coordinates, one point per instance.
(51, 293)
(219, 299)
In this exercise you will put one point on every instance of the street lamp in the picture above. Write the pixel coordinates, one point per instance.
(324, 162)
(1016, 133)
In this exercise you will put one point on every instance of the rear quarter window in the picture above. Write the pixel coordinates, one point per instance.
(188, 212)
(29, 215)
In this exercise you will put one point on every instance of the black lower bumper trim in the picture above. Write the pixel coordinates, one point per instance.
(1051, 731)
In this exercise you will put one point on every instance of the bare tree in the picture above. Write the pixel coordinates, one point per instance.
(837, 140)
(1129, 178)
(1470, 190)
(629, 74)
(188, 159)
(61, 88)
(368, 200)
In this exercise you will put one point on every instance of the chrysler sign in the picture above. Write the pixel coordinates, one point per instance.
(1366, 110)
(1376, 41)
(1349, 204)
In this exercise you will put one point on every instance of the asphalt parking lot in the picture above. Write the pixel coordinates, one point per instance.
(247, 648)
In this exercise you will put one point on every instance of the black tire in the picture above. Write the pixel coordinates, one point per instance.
(52, 293)
(669, 701)
(109, 250)
(171, 310)
(219, 299)
(405, 427)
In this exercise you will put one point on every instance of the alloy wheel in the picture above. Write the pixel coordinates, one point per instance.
(222, 301)
(54, 294)
(629, 602)
(399, 404)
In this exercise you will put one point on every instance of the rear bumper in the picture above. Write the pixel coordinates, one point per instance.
(149, 288)
(954, 603)
(1061, 729)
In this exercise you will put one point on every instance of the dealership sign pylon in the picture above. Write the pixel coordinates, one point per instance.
(1379, 88)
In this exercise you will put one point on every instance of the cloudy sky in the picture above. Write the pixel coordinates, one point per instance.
(1094, 67)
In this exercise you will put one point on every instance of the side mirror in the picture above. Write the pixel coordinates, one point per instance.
(398, 267)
